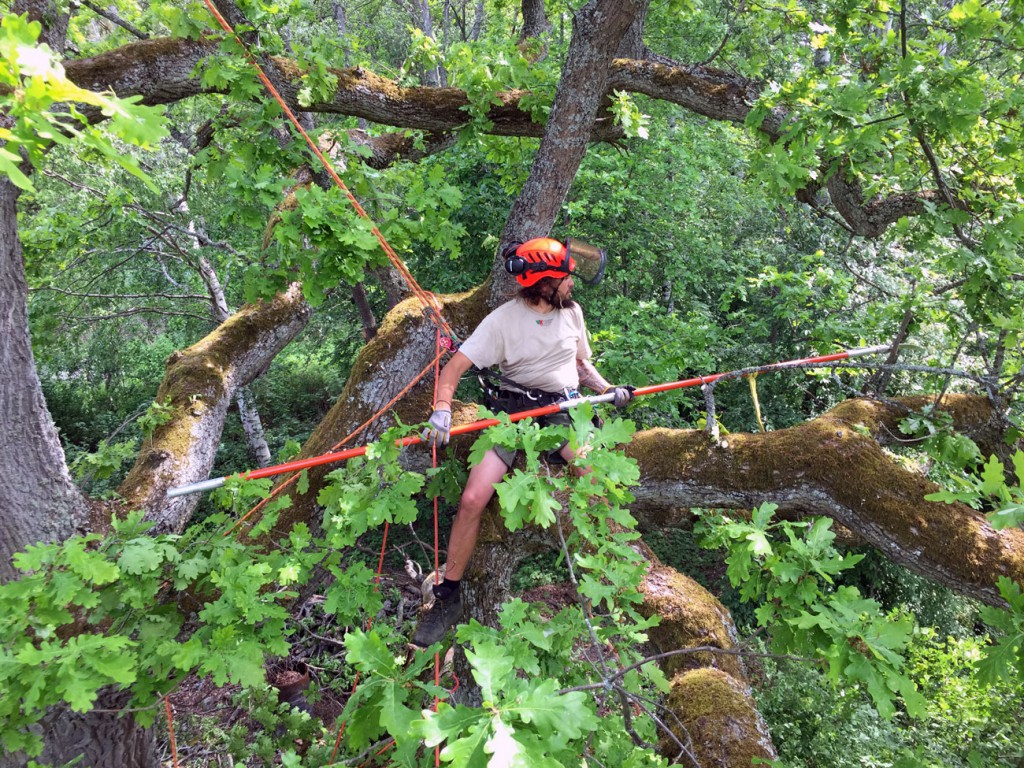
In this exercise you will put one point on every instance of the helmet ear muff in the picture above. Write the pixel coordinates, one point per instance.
(514, 264)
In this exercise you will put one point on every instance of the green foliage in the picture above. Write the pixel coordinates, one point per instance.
(387, 699)
(155, 416)
(34, 81)
(792, 580)
(634, 123)
(485, 70)
(526, 723)
(369, 491)
(990, 487)
(901, 591)
(968, 724)
(112, 590)
(1004, 659)
(814, 723)
(544, 725)
(934, 429)
(120, 596)
(107, 459)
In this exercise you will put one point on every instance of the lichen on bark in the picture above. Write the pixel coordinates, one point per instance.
(197, 388)
(717, 714)
(828, 466)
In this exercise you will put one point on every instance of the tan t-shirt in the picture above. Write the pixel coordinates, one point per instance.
(534, 349)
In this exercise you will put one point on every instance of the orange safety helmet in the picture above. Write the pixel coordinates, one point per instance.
(545, 257)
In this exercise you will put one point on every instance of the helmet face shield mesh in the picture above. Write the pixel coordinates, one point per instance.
(586, 261)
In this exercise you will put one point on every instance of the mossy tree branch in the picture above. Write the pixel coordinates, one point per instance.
(199, 385)
(162, 71)
(827, 466)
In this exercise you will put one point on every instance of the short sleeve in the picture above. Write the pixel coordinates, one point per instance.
(583, 351)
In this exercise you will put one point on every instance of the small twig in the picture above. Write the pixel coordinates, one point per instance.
(684, 749)
(427, 549)
(619, 674)
(74, 184)
(956, 355)
(321, 638)
(576, 586)
(129, 313)
(379, 746)
(114, 18)
(176, 297)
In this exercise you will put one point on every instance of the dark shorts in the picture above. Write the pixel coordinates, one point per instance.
(510, 402)
(560, 419)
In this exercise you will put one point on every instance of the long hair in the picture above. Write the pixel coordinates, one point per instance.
(544, 289)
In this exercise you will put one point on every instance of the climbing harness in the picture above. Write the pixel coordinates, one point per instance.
(500, 392)
(564, 405)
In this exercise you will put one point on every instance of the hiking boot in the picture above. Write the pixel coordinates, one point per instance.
(439, 619)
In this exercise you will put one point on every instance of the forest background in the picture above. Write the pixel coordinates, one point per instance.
(185, 293)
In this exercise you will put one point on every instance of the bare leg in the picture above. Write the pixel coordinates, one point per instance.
(479, 490)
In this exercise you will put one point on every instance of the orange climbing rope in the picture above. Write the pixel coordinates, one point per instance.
(170, 731)
(428, 299)
(435, 364)
(296, 475)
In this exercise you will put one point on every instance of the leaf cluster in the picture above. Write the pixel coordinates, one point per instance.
(40, 102)
(793, 580)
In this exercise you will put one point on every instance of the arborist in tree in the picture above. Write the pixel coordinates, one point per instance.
(538, 340)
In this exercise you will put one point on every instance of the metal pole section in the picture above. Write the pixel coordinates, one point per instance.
(701, 380)
(350, 453)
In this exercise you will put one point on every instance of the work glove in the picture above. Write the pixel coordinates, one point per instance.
(623, 396)
(440, 429)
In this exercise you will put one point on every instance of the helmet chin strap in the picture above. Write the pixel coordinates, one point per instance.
(554, 292)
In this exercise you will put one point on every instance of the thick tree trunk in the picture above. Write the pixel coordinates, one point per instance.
(38, 499)
(402, 348)
(598, 29)
(103, 739)
(715, 721)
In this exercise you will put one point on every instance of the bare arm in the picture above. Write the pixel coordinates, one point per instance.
(590, 378)
(449, 379)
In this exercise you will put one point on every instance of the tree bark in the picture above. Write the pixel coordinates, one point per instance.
(252, 426)
(248, 413)
(161, 71)
(199, 385)
(39, 501)
(598, 29)
(535, 20)
(103, 739)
